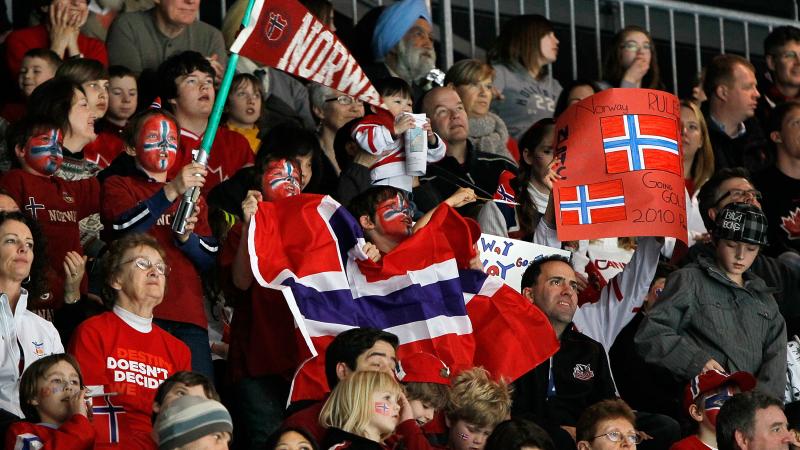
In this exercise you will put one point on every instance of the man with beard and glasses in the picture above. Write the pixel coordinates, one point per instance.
(402, 46)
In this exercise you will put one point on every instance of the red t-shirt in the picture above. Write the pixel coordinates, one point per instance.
(106, 146)
(57, 205)
(76, 433)
(22, 40)
(114, 355)
(229, 153)
(183, 301)
(690, 443)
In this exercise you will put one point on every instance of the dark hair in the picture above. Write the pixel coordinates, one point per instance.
(435, 395)
(135, 123)
(242, 79)
(529, 140)
(586, 428)
(720, 71)
(739, 414)
(177, 66)
(344, 136)
(28, 382)
(517, 433)
(663, 270)
(36, 284)
(563, 97)
(779, 113)
(275, 437)
(393, 86)
(708, 195)
(531, 275)
(349, 345)
(613, 70)
(46, 54)
(780, 36)
(120, 72)
(51, 102)
(19, 133)
(188, 379)
(519, 42)
(82, 70)
(321, 9)
(112, 261)
(366, 203)
(288, 141)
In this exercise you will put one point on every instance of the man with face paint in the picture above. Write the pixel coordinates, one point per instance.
(704, 396)
(144, 202)
(57, 205)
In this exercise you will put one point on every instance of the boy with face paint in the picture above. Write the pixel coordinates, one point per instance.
(704, 396)
(57, 205)
(144, 202)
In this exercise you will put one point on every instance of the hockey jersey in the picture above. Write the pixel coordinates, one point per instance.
(229, 153)
(106, 146)
(76, 433)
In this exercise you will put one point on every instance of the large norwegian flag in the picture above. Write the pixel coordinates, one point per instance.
(639, 142)
(285, 35)
(592, 203)
(309, 247)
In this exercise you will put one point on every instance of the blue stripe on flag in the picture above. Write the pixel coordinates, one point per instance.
(347, 231)
(407, 305)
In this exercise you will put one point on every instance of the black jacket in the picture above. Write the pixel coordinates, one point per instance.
(581, 377)
(335, 437)
(750, 150)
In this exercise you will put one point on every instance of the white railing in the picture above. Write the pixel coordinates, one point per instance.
(674, 21)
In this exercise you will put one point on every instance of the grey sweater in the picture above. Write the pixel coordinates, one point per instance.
(135, 42)
(526, 101)
(702, 315)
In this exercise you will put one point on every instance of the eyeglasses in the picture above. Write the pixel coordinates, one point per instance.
(788, 55)
(740, 195)
(617, 436)
(346, 100)
(633, 46)
(145, 264)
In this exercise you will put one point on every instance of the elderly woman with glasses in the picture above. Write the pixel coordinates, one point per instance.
(333, 109)
(607, 425)
(124, 356)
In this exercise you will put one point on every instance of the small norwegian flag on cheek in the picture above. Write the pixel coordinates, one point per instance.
(639, 142)
(592, 203)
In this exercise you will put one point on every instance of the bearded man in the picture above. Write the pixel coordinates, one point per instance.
(402, 45)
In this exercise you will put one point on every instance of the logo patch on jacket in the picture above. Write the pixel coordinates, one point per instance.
(582, 372)
(38, 348)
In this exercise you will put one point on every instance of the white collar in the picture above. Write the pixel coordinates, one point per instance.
(138, 323)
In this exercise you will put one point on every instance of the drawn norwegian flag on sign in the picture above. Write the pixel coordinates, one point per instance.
(592, 203)
(640, 141)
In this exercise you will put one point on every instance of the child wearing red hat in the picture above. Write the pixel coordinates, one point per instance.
(703, 398)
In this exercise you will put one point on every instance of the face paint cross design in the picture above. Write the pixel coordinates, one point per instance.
(157, 144)
(43, 152)
(280, 180)
(463, 436)
(713, 403)
(382, 408)
(394, 217)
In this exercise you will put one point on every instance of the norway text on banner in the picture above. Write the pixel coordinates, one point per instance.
(620, 161)
(422, 291)
(285, 35)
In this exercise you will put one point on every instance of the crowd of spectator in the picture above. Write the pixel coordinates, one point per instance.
(119, 332)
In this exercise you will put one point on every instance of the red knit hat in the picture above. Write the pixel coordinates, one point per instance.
(713, 379)
(424, 368)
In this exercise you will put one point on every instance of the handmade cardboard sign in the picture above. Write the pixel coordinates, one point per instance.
(508, 258)
(620, 158)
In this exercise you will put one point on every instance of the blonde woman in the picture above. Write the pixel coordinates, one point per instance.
(698, 164)
(362, 411)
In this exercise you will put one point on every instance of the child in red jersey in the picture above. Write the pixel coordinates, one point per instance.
(53, 399)
(704, 396)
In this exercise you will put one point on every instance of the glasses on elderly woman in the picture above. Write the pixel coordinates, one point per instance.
(145, 264)
(346, 100)
(633, 438)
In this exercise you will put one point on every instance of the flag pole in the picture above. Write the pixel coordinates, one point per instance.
(189, 200)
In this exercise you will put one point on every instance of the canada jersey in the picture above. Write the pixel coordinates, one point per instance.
(119, 359)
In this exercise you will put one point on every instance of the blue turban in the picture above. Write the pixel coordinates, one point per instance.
(393, 24)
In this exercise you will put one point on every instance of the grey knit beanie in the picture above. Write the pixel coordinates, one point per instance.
(189, 418)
